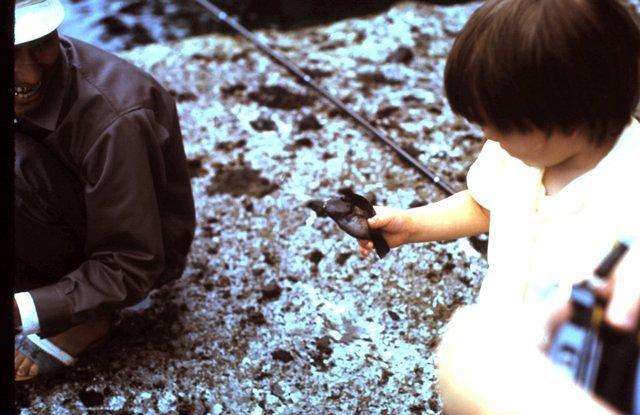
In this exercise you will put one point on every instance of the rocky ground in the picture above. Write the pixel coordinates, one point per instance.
(275, 313)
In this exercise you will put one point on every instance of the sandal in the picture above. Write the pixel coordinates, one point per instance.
(49, 357)
(44, 353)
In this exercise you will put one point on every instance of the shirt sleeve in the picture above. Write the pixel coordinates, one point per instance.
(484, 174)
(125, 179)
(28, 314)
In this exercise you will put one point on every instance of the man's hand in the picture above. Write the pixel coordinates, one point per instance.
(623, 292)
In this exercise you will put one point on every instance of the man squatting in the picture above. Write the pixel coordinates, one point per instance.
(104, 211)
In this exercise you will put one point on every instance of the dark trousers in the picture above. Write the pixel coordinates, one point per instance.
(49, 216)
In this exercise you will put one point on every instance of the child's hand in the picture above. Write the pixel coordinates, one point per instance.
(395, 226)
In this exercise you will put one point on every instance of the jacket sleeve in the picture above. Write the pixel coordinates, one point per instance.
(125, 180)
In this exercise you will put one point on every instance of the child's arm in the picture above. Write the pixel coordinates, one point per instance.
(454, 217)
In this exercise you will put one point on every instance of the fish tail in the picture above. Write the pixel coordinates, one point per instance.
(382, 247)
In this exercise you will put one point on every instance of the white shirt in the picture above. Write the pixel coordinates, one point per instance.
(28, 313)
(539, 244)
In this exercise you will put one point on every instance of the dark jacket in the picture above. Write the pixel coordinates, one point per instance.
(117, 130)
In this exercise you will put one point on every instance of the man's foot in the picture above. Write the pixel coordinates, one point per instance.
(74, 341)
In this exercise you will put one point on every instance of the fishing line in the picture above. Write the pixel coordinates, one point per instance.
(223, 17)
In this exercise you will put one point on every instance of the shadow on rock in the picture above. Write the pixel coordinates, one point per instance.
(240, 181)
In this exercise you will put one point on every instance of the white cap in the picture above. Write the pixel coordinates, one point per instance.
(36, 19)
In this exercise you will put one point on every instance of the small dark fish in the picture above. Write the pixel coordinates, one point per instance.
(351, 211)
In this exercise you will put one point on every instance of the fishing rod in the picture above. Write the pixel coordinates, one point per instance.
(222, 16)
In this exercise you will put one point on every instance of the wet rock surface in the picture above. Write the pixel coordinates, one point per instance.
(123, 24)
(276, 313)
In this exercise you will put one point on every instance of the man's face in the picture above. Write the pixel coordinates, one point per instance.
(32, 70)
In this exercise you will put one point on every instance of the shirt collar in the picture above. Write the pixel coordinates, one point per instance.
(607, 176)
(46, 115)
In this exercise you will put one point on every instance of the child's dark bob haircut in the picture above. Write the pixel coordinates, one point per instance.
(551, 65)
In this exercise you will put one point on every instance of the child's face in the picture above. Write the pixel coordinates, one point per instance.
(536, 149)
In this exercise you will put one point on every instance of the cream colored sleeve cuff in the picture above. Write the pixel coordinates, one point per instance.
(28, 313)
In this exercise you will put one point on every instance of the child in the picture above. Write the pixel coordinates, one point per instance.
(553, 84)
